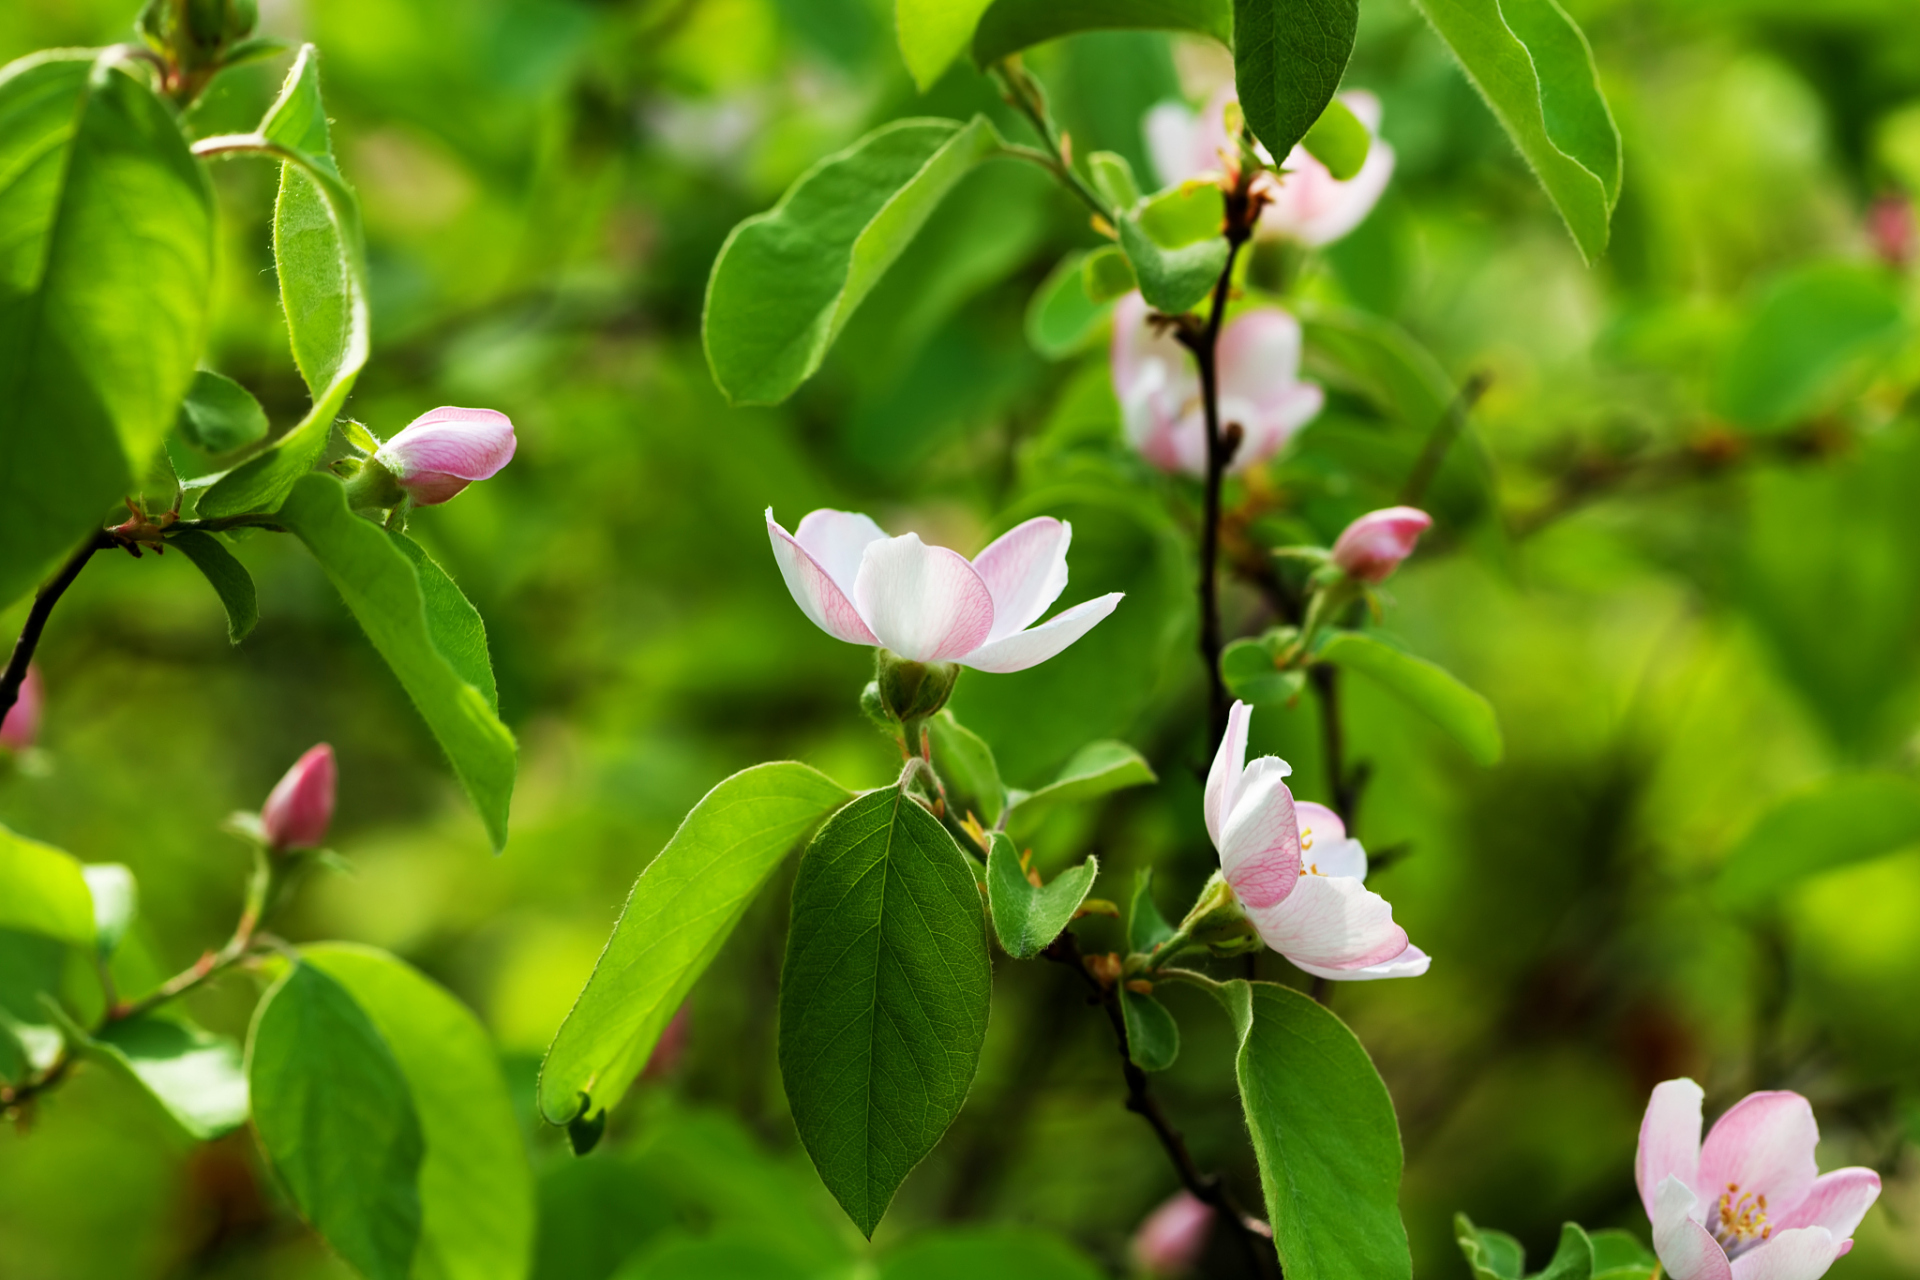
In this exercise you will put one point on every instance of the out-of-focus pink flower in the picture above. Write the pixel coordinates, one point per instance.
(1373, 546)
(300, 808)
(1158, 387)
(1295, 872)
(1749, 1203)
(1307, 204)
(21, 728)
(1891, 229)
(929, 604)
(668, 1049)
(444, 450)
(1171, 1240)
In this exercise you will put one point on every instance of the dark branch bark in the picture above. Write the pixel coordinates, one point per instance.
(49, 596)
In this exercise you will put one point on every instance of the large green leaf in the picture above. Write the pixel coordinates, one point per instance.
(318, 251)
(1008, 26)
(43, 891)
(1097, 769)
(336, 1117)
(1429, 689)
(380, 585)
(226, 575)
(1026, 916)
(682, 908)
(1324, 1135)
(932, 33)
(967, 769)
(196, 1076)
(458, 631)
(476, 1187)
(1841, 822)
(883, 996)
(1533, 67)
(787, 280)
(106, 260)
(1809, 328)
(1288, 57)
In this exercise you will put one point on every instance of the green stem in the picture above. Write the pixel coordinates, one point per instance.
(261, 885)
(1020, 92)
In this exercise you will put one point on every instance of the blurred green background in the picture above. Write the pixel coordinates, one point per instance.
(1679, 558)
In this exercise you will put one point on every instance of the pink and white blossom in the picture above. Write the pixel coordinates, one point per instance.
(1749, 1203)
(444, 450)
(1373, 546)
(1158, 386)
(21, 727)
(1307, 204)
(300, 808)
(1171, 1240)
(930, 604)
(1296, 873)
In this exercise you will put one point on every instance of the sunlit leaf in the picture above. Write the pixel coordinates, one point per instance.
(1324, 1135)
(336, 1117)
(226, 575)
(1063, 318)
(476, 1187)
(1095, 770)
(106, 262)
(883, 996)
(932, 34)
(682, 908)
(43, 890)
(381, 587)
(1027, 917)
(1843, 821)
(1429, 689)
(1339, 141)
(196, 1076)
(787, 280)
(1288, 57)
(116, 899)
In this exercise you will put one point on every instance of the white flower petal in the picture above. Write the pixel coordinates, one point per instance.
(1260, 843)
(1332, 923)
(1035, 645)
(835, 540)
(1801, 1254)
(1685, 1249)
(1025, 569)
(1669, 1139)
(1410, 963)
(927, 604)
(1229, 763)
(814, 590)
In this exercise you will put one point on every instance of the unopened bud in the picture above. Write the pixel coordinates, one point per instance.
(1373, 546)
(1891, 229)
(444, 450)
(1171, 1240)
(300, 809)
(22, 724)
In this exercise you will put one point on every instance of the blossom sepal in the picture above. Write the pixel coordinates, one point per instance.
(371, 486)
(911, 691)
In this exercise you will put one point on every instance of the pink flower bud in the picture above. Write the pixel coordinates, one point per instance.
(1170, 1241)
(297, 814)
(1890, 226)
(1373, 546)
(444, 450)
(22, 725)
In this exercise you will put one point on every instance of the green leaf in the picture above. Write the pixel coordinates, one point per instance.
(1425, 687)
(1008, 26)
(966, 766)
(1146, 927)
(1338, 140)
(1184, 215)
(682, 908)
(932, 34)
(1618, 1256)
(977, 1253)
(106, 264)
(1112, 175)
(787, 280)
(228, 577)
(219, 415)
(383, 590)
(196, 1076)
(1248, 666)
(883, 996)
(1097, 769)
(476, 1187)
(1809, 329)
(1533, 67)
(1171, 280)
(321, 261)
(335, 1116)
(1288, 57)
(116, 899)
(1490, 1255)
(1324, 1135)
(1064, 318)
(458, 631)
(1153, 1037)
(1028, 917)
(43, 890)
(1573, 1259)
(713, 1258)
(1842, 821)
(1107, 275)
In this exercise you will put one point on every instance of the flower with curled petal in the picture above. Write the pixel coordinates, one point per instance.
(1749, 1203)
(444, 450)
(1297, 875)
(928, 604)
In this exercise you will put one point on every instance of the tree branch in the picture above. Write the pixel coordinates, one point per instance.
(49, 595)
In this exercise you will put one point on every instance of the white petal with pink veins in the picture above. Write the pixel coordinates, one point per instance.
(836, 540)
(1025, 569)
(1260, 841)
(927, 604)
(1836, 1201)
(1259, 355)
(1023, 649)
(1685, 1249)
(1764, 1147)
(1410, 963)
(814, 589)
(1335, 924)
(1229, 763)
(1669, 1140)
(1804, 1254)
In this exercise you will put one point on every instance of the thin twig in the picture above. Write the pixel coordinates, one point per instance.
(49, 595)
(1444, 433)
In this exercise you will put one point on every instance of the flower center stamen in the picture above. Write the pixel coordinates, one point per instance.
(1741, 1220)
(1306, 843)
